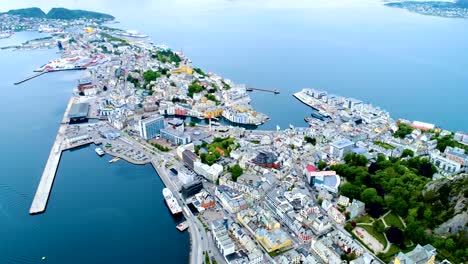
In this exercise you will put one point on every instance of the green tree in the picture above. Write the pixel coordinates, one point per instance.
(350, 190)
(150, 75)
(407, 153)
(403, 130)
(236, 171)
(370, 195)
(321, 165)
(449, 244)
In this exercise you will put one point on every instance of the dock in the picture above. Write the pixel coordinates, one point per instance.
(251, 89)
(44, 188)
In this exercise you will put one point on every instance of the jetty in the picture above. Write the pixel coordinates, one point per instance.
(44, 72)
(251, 89)
(44, 188)
(48, 175)
(30, 77)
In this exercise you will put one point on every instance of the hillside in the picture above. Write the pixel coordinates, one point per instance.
(63, 13)
(27, 12)
(59, 13)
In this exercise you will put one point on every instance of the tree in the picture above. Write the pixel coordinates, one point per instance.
(310, 140)
(350, 190)
(369, 196)
(403, 130)
(150, 75)
(394, 235)
(321, 165)
(407, 153)
(236, 171)
(192, 123)
(449, 244)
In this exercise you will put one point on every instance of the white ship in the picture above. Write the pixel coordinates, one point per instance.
(99, 151)
(171, 202)
(4, 35)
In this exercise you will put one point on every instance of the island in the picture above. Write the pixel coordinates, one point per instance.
(59, 13)
(449, 9)
(353, 184)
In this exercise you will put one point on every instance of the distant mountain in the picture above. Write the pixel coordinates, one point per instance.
(27, 12)
(63, 13)
(59, 13)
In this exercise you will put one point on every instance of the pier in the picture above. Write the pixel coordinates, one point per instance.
(44, 188)
(44, 72)
(30, 77)
(48, 175)
(251, 89)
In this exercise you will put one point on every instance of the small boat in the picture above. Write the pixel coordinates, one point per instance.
(114, 160)
(99, 151)
(182, 226)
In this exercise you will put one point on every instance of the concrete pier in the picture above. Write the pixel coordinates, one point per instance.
(44, 188)
(48, 175)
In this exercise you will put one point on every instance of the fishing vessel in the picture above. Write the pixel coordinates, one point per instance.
(171, 202)
(99, 151)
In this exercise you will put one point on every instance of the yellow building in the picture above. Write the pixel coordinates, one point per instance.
(273, 240)
(89, 30)
(183, 69)
(213, 112)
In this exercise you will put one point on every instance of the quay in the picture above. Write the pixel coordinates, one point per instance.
(251, 89)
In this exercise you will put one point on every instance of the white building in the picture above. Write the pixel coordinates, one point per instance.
(210, 172)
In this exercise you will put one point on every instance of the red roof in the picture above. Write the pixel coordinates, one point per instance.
(311, 168)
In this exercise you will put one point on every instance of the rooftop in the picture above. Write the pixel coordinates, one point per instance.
(78, 110)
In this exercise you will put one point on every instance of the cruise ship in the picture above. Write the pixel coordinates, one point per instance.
(171, 202)
(99, 151)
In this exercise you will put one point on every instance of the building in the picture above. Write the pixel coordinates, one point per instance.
(327, 254)
(445, 165)
(210, 172)
(176, 124)
(151, 127)
(273, 240)
(327, 180)
(220, 235)
(189, 158)
(339, 148)
(356, 208)
(343, 201)
(420, 255)
(175, 137)
(190, 189)
(457, 155)
(230, 199)
(78, 113)
(266, 160)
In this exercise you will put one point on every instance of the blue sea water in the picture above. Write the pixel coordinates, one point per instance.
(414, 66)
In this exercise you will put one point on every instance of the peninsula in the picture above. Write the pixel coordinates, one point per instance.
(353, 184)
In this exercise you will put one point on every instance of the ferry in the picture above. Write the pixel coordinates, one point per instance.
(182, 226)
(171, 202)
(99, 151)
(114, 160)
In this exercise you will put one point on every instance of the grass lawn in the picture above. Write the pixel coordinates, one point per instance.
(364, 219)
(379, 236)
(387, 257)
(393, 220)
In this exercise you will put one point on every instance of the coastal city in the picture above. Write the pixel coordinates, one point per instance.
(352, 185)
